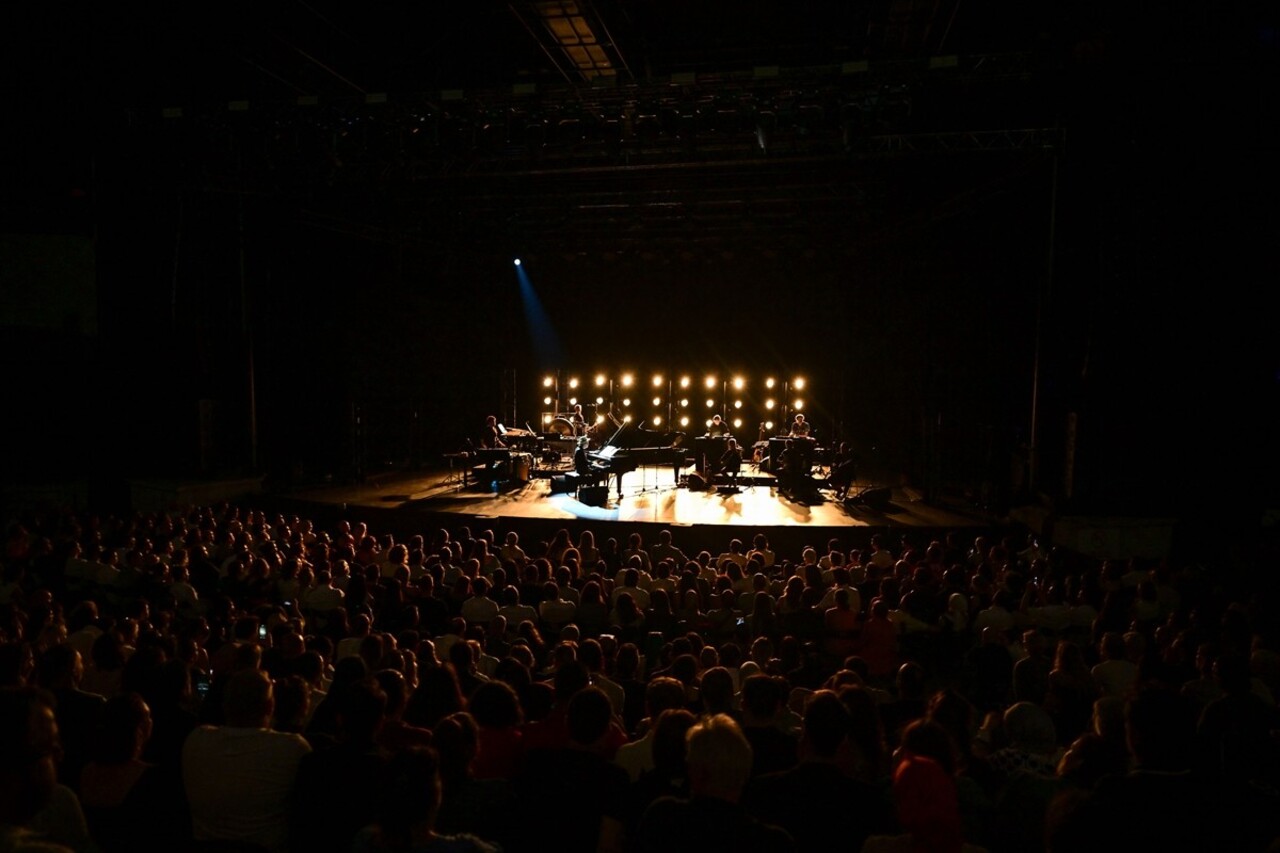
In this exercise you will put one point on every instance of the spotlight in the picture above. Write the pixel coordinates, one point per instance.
(737, 423)
(626, 380)
(573, 401)
(626, 419)
(768, 383)
(626, 401)
(657, 401)
(710, 402)
(737, 404)
(684, 402)
(657, 380)
(684, 381)
(799, 405)
(600, 380)
(656, 420)
(517, 262)
(711, 382)
(599, 401)
(684, 421)
(739, 382)
(573, 383)
(798, 384)
(548, 381)
(546, 401)
(768, 425)
(769, 404)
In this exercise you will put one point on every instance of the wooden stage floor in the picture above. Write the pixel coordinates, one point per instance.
(650, 495)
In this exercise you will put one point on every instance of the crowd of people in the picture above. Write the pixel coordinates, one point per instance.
(226, 680)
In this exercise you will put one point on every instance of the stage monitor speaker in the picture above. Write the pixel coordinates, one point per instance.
(594, 495)
(562, 484)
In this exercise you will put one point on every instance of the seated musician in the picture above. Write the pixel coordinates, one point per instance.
(799, 427)
(791, 466)
(731, 462)
(588, 470)
(489, 436)
(842, 474)
(717, 428)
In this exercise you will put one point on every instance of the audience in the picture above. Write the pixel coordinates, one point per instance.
(617, 698)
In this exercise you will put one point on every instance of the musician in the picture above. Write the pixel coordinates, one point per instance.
(799, 427)
(587, 469)
(731, 461)
(489, 435)
(791, 465)
(717, 428)
(842, 475)
(579, 422)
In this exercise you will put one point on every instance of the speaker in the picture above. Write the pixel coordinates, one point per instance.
(594, 495)
(695, 482)
(875, 498)
(562, 484)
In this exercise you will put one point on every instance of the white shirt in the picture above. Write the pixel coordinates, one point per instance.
(239, 783)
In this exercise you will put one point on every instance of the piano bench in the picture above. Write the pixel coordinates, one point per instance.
(593, 495)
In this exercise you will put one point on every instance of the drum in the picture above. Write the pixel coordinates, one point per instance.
(521, 466)
(561, 426)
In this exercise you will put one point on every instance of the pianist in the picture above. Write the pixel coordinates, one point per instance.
(588, 470)
(490, 439)
(717, 428)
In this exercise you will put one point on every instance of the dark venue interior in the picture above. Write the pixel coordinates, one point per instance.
(291, 255)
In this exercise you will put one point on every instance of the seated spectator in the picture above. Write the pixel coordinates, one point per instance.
(712, 818)
(409, 801)
(240, 777)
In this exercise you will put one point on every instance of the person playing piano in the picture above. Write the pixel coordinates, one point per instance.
(588, 470)
(490, 438)
(799, 427)
(717, 428)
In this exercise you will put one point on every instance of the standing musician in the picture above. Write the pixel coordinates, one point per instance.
(578, 421)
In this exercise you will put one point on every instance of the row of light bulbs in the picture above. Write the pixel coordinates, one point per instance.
(628, 380)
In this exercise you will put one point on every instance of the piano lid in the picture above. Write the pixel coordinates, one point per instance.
(628, 436)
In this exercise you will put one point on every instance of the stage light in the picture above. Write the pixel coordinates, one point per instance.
(799, 405)
(684, 381)
(710, 403)
(657, 380)
(739, 382)
(798, 384)
(573, 383)
(769, 404)
(737, 404)
(626, 419)
(657, 401)
(656, 420)
(546, 419)
(517, 262)
(684, 421)
(768, 383)
(573, 401)
(626, 380)
(599, 419)
(600, 379)
(548, 381)
(626, 401)
(711, 382)
(768, 425)
(737, 423)
(546, 401)
(684, 402)
(599, 401)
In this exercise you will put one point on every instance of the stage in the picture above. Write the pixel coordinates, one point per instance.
(657, 496)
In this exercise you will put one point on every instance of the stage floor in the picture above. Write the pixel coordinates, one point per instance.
(650, 494)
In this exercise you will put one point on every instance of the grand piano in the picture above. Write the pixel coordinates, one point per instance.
(632, 446)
